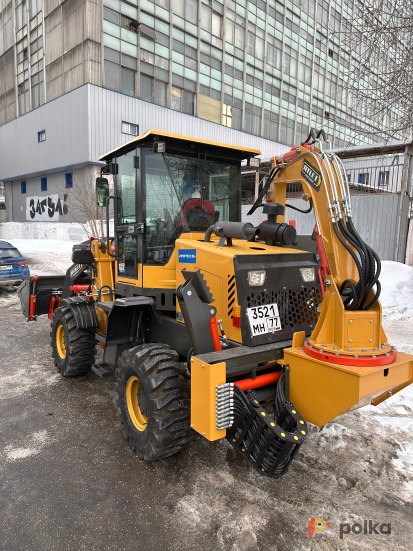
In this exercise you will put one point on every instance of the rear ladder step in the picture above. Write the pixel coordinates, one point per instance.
(103, 370)
(100, 337)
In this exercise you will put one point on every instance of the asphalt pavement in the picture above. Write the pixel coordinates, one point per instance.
(69, 482)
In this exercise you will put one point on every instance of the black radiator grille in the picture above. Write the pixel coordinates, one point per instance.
(296, 306)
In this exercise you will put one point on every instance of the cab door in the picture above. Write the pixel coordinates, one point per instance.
(128, 219)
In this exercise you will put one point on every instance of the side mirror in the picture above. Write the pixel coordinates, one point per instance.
(102, 191)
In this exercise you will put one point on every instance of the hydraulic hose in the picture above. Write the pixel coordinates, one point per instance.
(356, 292)
(362, 274)
(368, 263)
(300, 210)
(264, 190)
(372, 269)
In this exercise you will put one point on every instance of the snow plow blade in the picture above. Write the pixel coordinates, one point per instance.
(322, 391)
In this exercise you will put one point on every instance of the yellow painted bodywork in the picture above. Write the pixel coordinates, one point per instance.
(118, 150)
(105, 267)
(204, 380)
(217, 266)
(321, 391)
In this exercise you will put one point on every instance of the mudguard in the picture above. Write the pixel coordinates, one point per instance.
(83, 310)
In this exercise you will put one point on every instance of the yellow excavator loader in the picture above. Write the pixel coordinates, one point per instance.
(213, 325)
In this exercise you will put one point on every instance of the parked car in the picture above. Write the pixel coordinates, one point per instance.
(13, 266)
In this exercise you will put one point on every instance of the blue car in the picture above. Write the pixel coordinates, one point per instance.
(13, 266)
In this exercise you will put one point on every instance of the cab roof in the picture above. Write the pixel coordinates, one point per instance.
(170, 138)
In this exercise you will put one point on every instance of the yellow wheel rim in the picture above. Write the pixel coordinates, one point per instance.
(60, 341)
(138, 419)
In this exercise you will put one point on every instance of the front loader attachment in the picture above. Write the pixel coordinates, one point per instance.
(37, 293)
(42, 294)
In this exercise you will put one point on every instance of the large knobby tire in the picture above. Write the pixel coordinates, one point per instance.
(73, 350)
(153, 390)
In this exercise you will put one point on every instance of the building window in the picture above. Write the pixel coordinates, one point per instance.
(383, 178)
(130, 128)
(234, 29)
(287, 131)
(35, 7)
(69, 180)
(290, 62)
(153, 90)
(364, 178)
(43, 184)
(120, 72)
(187, 9)
(159, 92)
(227, 116)
(183, 101)
(211, 21)
(23, 95)
(252, 123)
(41, 136)
(37, 90)
(21, 16)
(270, 130)
(23, 186)
(146, 88)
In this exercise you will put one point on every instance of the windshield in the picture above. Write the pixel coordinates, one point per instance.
(9, 253)
(186, 194)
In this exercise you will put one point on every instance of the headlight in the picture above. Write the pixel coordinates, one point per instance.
(307, 274)
(254, 161)
(257, 278)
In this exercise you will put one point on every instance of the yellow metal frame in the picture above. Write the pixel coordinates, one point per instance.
(204, 380)
(321, 391)
(115, 152)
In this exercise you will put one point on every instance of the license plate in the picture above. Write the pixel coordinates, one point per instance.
(3, 268)
(264, 319)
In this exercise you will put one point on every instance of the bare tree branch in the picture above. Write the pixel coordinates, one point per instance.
(379, 80)
(81, 201)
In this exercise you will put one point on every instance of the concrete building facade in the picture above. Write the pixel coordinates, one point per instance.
(271, 68)
(79, 77)
(52, 153)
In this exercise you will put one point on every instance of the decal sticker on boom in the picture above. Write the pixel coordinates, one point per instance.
(187, 256)
(75, 270)
(311, 174)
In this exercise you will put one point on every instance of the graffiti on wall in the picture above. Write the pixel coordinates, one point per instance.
(47, 208)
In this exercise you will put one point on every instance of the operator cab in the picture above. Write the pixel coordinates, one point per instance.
(166, 185)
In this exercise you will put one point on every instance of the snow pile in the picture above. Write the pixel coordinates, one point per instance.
(27, 246)
(397, 291)
(45, 256)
